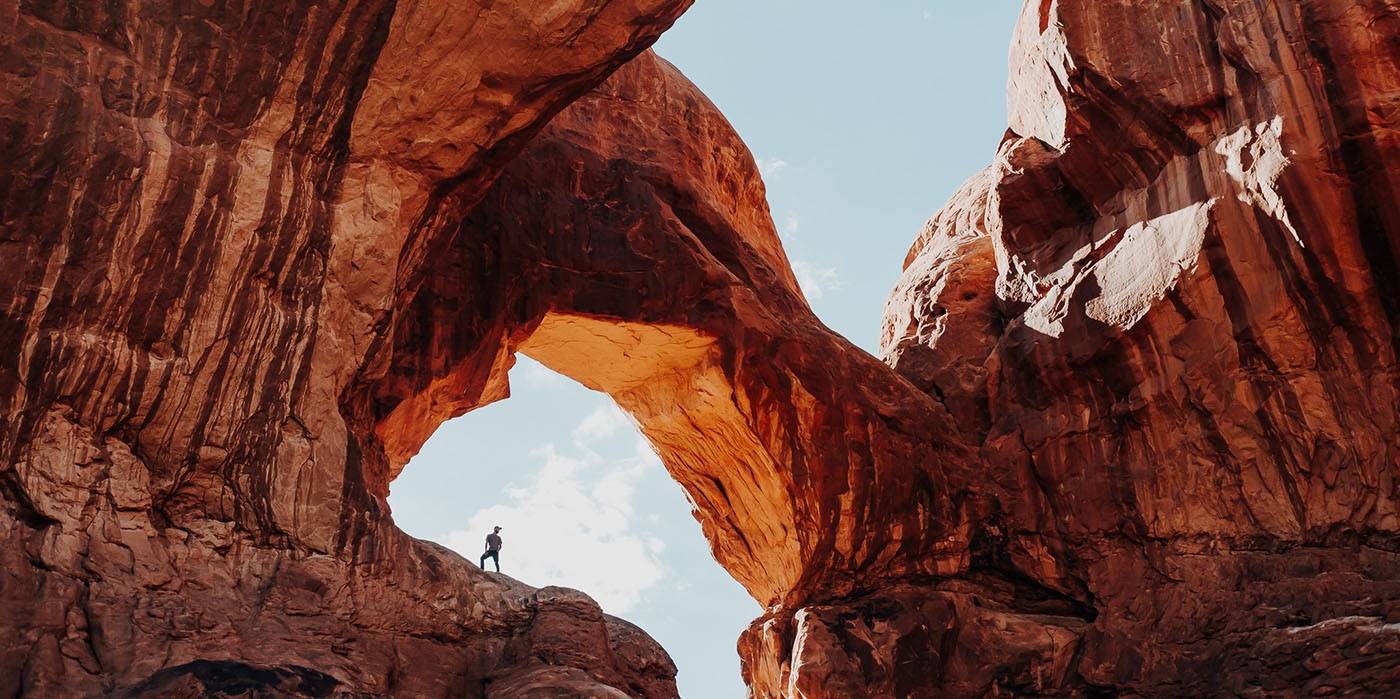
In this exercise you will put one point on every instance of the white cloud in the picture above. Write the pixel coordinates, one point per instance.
(789, 230)
(536, 375)
(768, 167)
(815, 281)
(572, 522)
(644, 452)
(600, 424)
(928, 14)
(790, 225)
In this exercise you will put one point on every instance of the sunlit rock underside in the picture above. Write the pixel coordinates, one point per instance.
(1139, 437)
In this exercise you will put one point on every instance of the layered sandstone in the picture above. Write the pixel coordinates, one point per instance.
(1169, 315)
(209, 213)
(1139, 437)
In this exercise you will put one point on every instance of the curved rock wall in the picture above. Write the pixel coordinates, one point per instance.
(1169, 313)
(1139, 435)
(208, 214)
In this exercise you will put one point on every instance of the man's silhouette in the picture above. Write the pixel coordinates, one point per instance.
(493, 549)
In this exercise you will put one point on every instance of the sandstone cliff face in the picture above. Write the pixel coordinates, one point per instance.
(1169, 314)
(1139, 437)
(209, 213)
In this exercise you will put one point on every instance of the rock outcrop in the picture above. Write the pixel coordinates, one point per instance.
(1139, 436)
(1038, 520)
(209, 214)
(1168, 314)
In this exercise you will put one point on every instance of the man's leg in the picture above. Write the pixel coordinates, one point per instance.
(483, 560)
(496, 558)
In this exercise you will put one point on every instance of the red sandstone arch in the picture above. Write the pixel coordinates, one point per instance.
(238, 298)
(647, 267)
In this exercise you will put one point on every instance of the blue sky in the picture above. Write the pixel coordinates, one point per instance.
(864, 117)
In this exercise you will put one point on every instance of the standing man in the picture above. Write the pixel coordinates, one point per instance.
(493, 549)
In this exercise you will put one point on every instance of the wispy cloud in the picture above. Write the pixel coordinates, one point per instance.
(789, 230)
(572, 523)
(536, 375)
(815, 281)
(769, 167)
(600, 424)
(928, 14)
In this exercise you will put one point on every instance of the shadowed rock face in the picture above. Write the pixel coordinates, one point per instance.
(1169, 314)
(1139, 436)
(1043, 519)
(209, 212)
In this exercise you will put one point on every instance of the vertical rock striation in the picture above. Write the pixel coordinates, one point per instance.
(209, 212)
(1139, 436)
(1169, 312)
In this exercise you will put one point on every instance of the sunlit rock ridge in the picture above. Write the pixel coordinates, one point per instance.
(1135, 431)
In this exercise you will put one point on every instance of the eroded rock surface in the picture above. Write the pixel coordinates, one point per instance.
(209, 212)
(1169, 313)
(1139, 437)
(647, 267)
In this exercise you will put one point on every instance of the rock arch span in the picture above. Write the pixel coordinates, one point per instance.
(648, 268)
(238, 310)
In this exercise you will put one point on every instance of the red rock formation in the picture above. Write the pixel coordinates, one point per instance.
(1169, 313)
(1120, 517)
(649, 268)
(831, 488)
(208, 213)
(1140, 438)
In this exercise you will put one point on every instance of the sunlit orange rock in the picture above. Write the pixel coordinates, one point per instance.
(629, 246)
(1132, 468)
(837, 492)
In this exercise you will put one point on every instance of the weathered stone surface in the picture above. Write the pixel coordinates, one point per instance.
(1169, 314)
(647, 267)
(836, 492)
(1139, 437)
(1063, 516)
(209, 212)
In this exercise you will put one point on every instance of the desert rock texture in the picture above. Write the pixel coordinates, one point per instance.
(1168, 315)
(1135, 430)
(212, 213)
